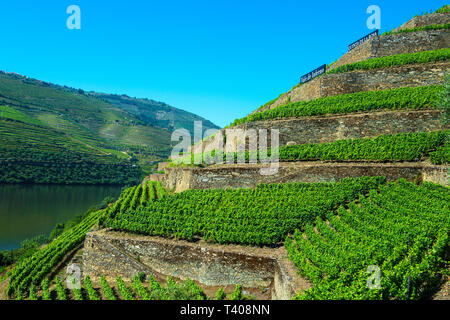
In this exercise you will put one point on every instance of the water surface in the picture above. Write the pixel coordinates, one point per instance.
(30, 210)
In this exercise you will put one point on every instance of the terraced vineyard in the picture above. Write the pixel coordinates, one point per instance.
(47, 130)
(32, 270)
(395, 60)
(331, 237)
(399, 147)
(33, 153)
(402, 229)
(139, 289)
(358, 238)
(394, 148)
(426, 97)
(424, 28)
(261, 216)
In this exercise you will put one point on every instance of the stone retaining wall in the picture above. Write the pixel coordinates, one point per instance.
(425, 20)
(414, 75)
(114, 254)
(249, 175)
(399, 43)
(329, 128)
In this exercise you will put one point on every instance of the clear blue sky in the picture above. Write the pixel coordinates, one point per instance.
(219, 59)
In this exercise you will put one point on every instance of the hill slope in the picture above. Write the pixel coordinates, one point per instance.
(45, 123)
(155, 113)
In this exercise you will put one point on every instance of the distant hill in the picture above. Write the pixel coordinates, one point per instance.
(43, 122)
(155, 113)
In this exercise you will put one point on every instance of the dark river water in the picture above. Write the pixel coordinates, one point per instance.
(30, 210)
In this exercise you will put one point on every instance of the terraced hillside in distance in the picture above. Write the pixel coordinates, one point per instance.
(158, 114)
(394, 85)
(52, 134)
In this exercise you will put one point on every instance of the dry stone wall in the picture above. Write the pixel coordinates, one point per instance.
(321, 129)
(392, 44)
(414, 75)
(249, 175)
(380, 46)
(425, 20)
(352, 126)
(114, 254)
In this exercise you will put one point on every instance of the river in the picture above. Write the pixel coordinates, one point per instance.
(27, 211)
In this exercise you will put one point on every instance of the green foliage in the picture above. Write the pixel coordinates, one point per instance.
(192, 291)
(56, 231)
(220, 295)
(77, 293)
(32, 294)
(261, 216)
(423, 28)
(92, 293)
(444, 9)
(45, 292)
(158, 292)
(124, 291)
(54, 173)
(10, 113)
(395, 60)
(27, 248)
(19, 294)
(399, 147)
(33, 269)
(37, 154)
(402, 229)
(444, 101)
(237, 293)
(108, 292)
(5, 258)
(139, 196)
(60, 289)
(391, 99)
(140, 289)
(442, 154)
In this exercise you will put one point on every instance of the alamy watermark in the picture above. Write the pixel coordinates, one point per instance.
(374, 280)
(232, 145)
(74, 20)
(374, 20)
(73, 279)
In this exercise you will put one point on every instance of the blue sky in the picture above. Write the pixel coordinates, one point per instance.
(218, 59)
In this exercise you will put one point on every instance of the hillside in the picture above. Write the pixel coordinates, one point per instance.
(158, 114)
(358, 208)
(75, 126)
(395, 83)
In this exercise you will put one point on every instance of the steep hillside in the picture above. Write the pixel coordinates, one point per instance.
(87, 127)
(393, 83)
(398, 58)
(155, 113)
(361, 186)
